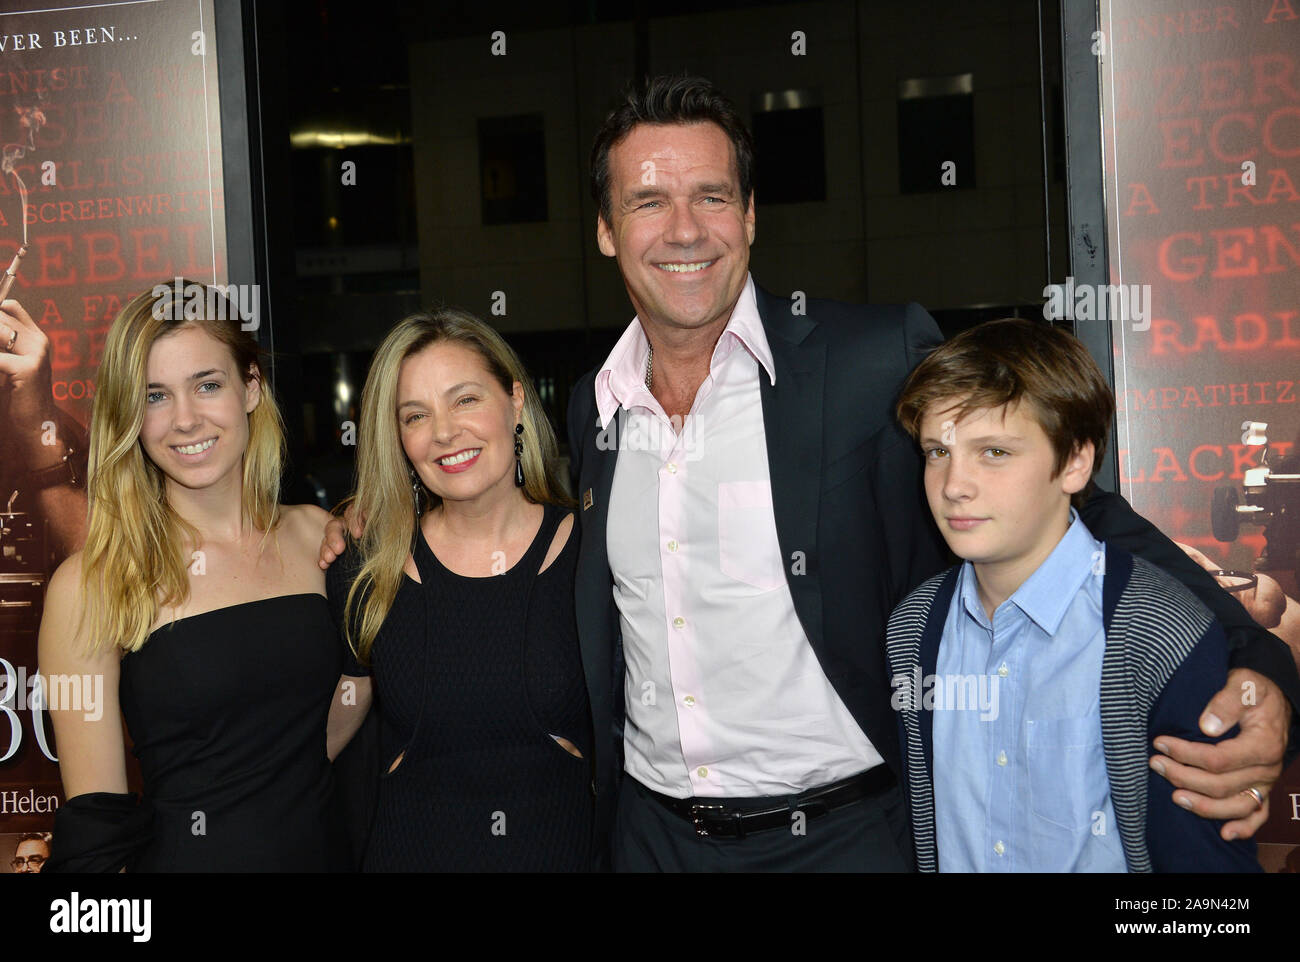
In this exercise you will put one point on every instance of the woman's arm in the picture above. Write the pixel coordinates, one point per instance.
(354, 692)
(88, 728)
(352, 700)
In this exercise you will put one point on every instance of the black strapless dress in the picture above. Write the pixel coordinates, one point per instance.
(227, 713)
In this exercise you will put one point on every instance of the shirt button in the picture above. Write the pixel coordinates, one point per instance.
(1003, 671)
(999, 847)
(689, 700)
(672, 467)
(679, 622)
(672, 545)
(702, 772)
(1002, 758)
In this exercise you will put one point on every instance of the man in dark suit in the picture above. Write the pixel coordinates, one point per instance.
(751, 514)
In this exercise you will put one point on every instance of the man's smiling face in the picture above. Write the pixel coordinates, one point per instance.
(680, 228)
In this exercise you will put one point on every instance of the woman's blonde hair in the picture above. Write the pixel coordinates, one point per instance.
(384, 494)
(132, 563)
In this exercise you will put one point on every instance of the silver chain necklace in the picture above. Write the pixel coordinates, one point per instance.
(649, 367)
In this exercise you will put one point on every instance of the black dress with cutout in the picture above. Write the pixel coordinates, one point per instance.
(472, 678)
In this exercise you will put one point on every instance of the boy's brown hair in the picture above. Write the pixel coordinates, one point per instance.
(1016, 360)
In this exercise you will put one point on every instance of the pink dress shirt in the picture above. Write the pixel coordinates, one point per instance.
(725, 696)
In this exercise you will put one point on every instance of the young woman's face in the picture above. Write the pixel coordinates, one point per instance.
(456, 423)
(196, 408)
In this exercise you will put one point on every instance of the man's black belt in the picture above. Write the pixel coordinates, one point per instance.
(732, 818)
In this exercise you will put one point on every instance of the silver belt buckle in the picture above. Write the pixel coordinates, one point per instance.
(697, 816)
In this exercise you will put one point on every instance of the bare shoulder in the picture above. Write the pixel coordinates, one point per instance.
(61, 636)
(305, 520)
(562, 533)
(65, 584)
(303, 528)
(306, 513)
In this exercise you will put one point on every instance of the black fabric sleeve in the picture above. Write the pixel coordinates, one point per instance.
(338, 581)
(581, 403)
(1179, 840)
(921, 334)
(357, 767)
(916, 549)
(1110, 518)
(99, 832)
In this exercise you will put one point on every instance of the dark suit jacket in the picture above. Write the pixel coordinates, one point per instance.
(846, 492)
(847, 495)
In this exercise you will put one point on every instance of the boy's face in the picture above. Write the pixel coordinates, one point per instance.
(988, 478)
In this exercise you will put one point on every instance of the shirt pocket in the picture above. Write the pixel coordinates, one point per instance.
(747, 545)
(1067, 773)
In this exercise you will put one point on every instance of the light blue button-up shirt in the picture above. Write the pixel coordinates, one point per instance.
(1020, 777)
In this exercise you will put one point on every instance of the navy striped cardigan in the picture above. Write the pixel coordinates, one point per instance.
(1165, 658)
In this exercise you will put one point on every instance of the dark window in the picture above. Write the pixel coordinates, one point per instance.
(936, 134)
(512, 169)
(1057, 107)
(791, 156)
(368, 210)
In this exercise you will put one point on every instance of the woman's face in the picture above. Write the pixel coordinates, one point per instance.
(456, 423)
(196, 408)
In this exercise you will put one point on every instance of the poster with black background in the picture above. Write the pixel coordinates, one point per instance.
(112, 182)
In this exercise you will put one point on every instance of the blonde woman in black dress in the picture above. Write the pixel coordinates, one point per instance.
(197, 603)
(457, 602)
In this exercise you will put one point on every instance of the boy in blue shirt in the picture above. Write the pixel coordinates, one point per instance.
(1030, 680)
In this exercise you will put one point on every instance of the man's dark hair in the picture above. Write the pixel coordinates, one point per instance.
(670, 100)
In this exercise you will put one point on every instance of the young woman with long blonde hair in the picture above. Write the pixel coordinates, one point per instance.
(458, 603)
(196, 603)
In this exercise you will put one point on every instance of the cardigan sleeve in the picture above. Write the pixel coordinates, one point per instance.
(1111, 519)
(1179, 840)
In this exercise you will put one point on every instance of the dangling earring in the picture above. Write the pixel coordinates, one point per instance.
(519, 453)
(415, 490)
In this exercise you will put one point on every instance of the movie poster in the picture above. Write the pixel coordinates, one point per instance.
(111, 182)
(1201, 145)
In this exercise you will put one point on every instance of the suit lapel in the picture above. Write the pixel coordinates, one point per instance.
(594, 487)
(596, 616)
(792, 424)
